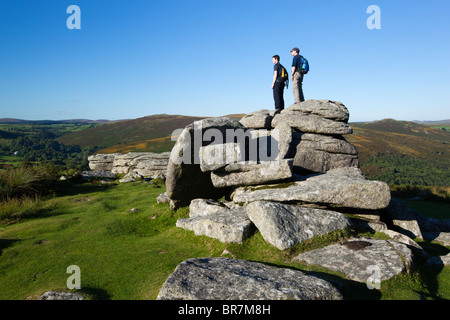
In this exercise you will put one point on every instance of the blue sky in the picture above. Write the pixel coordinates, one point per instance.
(211, 58)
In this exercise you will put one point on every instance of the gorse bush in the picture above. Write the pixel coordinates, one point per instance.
(17, 208)
(26, 180)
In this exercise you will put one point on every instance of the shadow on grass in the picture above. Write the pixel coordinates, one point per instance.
(5, 243)
(95, 293)
(72, 188)
(429, 273)
(350, 289)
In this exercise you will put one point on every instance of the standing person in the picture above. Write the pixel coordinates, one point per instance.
(278, 84)
(297, 76)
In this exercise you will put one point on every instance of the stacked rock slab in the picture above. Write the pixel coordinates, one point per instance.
(102, 162)
(319, 126)
(147, 164)
(144, 163)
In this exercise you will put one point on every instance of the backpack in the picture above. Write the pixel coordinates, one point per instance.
(304, 65)
(284, 76)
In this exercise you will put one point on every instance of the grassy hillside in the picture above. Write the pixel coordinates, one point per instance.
(406, 127)
(125, 255)
(129, 131)
(401, 152)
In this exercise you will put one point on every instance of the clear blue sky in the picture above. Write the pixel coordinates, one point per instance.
(210, 57)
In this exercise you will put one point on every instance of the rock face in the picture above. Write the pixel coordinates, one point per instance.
(102, 162)
(185, 180)
(285, 225)
(216, 220)
(361, 258)
(248, 174)
(144, 163)
(231, 279)
(147, 164)
(217, 156)
(344, 187)
(320, 153)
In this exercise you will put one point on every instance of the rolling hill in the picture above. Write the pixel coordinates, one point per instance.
(123, 134)
(151, 133)
(402, 152)
(49, 122)
(400, 138)
(406, 127)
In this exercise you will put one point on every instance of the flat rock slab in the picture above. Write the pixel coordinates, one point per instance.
(311, 123)
(216, 220)
(328, 109)
(342, 187)
(284, 225)
(247, 174)
(232, 279)
(361, 259)
(260, 119)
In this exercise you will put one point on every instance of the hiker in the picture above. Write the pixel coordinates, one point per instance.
(278, 83)
(297, 75)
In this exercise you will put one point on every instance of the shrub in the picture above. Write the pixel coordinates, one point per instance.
(26, 180)
(17, 208)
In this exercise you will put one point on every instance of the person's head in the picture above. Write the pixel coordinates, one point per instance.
(295, 51)
(276, 58)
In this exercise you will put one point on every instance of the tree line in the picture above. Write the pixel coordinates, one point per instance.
(39, 145)
(402, 170)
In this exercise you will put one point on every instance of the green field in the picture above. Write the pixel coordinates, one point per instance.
(125, 255)
(11, 160)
